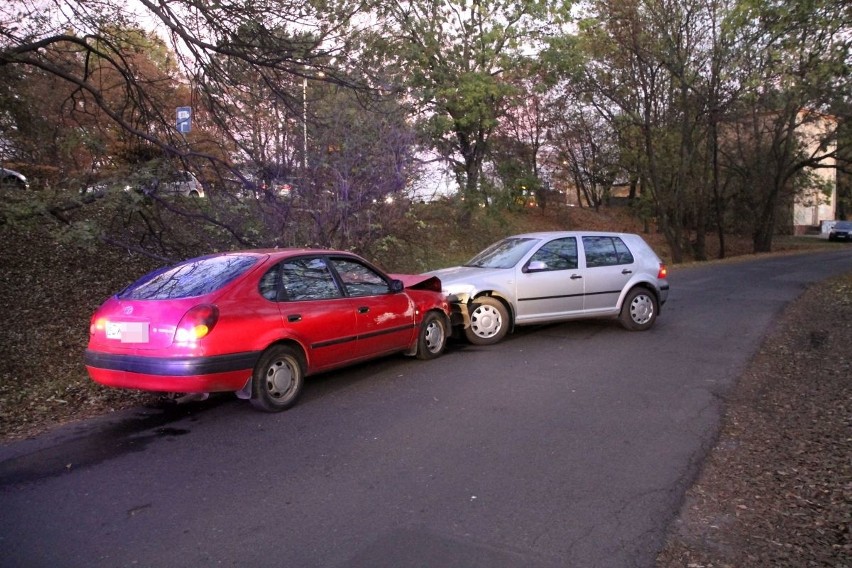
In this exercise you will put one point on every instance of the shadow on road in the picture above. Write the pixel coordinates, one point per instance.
(133, 432)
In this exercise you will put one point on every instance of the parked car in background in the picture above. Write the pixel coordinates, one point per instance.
(177, 183)
(10, 179)
(258, 322)
(105, 185)
(840, 231)
(548, 277)
(252, 187)
(282, 188)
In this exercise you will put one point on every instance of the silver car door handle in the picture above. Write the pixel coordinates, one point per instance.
(576, 276)
(627, 271)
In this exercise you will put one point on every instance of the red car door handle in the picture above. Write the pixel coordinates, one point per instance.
(294, 317)
(363, 310)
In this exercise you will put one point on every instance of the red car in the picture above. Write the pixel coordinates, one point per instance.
(258, 322)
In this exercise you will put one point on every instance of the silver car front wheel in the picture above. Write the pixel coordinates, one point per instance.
(489, 322)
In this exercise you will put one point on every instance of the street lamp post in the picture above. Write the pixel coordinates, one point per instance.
(319, 74)
(304, 123)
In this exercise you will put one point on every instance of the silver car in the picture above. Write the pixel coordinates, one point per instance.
(555, 276)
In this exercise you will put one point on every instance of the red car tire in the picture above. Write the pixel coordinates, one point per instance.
(278, 379)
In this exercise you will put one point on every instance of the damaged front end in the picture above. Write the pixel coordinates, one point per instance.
(418, 281)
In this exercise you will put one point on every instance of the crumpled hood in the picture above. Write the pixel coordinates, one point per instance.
(418, 281)
(467, 274)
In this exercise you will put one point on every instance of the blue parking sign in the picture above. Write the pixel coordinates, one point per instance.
(184, 119)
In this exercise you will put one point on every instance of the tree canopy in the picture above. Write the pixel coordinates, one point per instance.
(714, 114)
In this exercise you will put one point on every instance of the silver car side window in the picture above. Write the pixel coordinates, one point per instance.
(606, 251)
(621, 250)
(558, 254)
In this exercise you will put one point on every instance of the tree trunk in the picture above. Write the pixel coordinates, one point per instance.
(700, 249)
(764, 229)
(673, 238)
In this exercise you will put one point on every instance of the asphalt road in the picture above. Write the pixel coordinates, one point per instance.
(565, 446)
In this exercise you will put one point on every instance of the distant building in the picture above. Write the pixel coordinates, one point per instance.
(818, 202)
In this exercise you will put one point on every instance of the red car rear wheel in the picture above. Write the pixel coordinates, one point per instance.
(278, 379)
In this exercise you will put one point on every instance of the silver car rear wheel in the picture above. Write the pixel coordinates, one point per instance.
(489, 322)
(639, 310)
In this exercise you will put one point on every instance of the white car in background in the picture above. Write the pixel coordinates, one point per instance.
(12, 179)
(174, 183)
(178, 183)
(547, 277)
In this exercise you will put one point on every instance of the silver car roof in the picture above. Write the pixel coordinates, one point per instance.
(556, 234)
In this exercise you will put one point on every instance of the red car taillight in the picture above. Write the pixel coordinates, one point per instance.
(97, 324)
(196, 323)
(663, 272)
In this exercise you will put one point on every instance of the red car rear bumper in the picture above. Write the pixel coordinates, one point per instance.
(160, 374)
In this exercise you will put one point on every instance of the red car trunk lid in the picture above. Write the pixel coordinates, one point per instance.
(138, 324)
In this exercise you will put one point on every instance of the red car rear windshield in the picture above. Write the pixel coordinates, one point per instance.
(195, 277)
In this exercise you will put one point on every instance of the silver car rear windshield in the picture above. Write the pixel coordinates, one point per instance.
(503, 254)
(195, 277)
